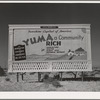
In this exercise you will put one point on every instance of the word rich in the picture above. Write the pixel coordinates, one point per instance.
(53, 43)
(49, 41)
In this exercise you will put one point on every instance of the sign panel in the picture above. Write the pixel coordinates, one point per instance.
(53, 44)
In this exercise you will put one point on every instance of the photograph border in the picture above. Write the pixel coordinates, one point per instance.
(50, 95)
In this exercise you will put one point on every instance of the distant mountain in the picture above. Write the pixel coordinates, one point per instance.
(80, 50)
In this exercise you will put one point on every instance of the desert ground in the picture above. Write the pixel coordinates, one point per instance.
(30, 83)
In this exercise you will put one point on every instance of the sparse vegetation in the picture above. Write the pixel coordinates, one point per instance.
(7, 79)
(51, 80)
(2, 72)
(71, 81)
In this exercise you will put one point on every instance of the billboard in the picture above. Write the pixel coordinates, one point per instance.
(51, 43)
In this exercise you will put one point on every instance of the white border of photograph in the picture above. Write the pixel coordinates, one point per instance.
(49, 95)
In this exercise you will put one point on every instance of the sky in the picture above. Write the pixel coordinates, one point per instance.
(49, 13)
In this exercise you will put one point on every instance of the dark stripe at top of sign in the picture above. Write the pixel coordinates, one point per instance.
(50, 27)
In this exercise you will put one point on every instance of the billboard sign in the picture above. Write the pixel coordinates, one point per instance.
(51, 43)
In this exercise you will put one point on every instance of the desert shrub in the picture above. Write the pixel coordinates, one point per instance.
(2, 72)
(56, 84)
(57, 77)
(7, 79)
(51, 80)
(46, 76)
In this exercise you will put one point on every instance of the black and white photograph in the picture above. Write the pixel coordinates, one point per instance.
(51, 47)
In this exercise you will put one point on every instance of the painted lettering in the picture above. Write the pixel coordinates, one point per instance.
(53, 43)
(37, 40)
(26, 42)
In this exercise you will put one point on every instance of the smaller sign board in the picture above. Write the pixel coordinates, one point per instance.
(19, 52)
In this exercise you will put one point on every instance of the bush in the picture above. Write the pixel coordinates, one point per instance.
(50, 80)
(2, 72)
(7, 79)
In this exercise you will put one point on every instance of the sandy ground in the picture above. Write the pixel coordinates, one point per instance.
(31, 84)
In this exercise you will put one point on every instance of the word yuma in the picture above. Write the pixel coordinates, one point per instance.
(39, 39)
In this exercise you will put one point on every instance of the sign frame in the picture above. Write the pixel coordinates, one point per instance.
(15, 66)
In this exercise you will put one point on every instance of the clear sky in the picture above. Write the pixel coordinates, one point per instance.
(49, 14)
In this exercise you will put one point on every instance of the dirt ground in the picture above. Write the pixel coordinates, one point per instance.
(31, 84)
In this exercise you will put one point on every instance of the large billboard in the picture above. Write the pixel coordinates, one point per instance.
(37, 43)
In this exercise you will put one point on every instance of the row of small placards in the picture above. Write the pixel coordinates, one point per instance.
(19, 52)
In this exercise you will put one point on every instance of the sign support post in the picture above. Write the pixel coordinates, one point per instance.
(17, 77)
